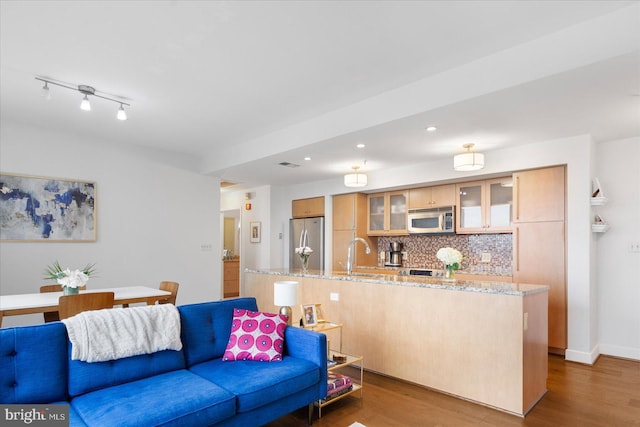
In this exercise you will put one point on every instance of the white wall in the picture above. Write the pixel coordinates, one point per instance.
(151, 217)
(619, 269)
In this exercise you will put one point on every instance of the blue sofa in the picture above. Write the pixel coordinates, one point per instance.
(191, 387)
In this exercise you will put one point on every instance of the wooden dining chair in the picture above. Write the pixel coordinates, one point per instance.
(52, 316)
(169, 287)
(70, 305)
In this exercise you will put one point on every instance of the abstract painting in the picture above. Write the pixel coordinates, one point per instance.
(46, 209)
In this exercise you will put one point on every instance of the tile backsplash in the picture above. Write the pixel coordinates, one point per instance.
(421, 250)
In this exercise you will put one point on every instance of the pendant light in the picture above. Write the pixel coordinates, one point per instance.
(122, 115)
(45, 91)
(355, 179)
(469, 161)
(85, 105)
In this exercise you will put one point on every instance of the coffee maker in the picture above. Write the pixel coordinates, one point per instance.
(395, 255)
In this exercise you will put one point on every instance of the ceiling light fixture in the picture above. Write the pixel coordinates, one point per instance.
(85, 105)
(355, 179)
(469, 161)
(361, 145)
(86, 91)
(121, 115)
(45, 91)
(431, 129)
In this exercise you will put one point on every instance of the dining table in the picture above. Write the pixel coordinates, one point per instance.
(12, 305)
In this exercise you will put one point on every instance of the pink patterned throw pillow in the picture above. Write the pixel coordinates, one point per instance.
(256, 336)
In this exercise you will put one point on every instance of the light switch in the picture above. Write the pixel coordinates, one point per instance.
(486, 257)
(334, 296)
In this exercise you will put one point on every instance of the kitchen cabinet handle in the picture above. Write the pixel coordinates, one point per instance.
(517, 248)
(517, 191)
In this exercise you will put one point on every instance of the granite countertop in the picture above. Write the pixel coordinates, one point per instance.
(517, 289)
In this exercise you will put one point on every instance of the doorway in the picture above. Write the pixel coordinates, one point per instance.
(231, 254)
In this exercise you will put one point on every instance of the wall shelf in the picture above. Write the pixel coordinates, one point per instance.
(599, 225)
(599, 201)
(599, 228)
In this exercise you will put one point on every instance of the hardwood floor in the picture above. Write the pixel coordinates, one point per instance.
(606, 394)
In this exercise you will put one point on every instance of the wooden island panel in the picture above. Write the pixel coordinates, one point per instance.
(469, 344)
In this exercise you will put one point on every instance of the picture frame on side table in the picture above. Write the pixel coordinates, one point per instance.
(309, 315)
(44, 209)
(254, 229)
(320, 314)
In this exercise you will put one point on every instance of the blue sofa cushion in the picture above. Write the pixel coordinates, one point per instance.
(157, 401)
(74, 418)
(33, 364)
(206, 327)
(86, 377)
(256, 384)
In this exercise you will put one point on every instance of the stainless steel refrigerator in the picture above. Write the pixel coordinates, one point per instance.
(307, 232)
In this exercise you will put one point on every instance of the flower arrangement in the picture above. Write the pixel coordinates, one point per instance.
(303, 250)
(451, 259)
(69, 279)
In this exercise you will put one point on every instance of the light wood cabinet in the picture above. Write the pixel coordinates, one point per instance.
(539, 252)
(349, 222)
(539, 195)
(538, 257)
(387, 214)
(484, 206)
(231, 286)
(307, 208)
(432, 197)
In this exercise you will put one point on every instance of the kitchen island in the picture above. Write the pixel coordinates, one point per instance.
(481, 341)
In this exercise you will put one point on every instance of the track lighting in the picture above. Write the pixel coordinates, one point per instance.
(86, 91)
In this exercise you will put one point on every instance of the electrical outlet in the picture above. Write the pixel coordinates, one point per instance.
(486, 257)
(634, 247)
(206, 247)
(334, 296)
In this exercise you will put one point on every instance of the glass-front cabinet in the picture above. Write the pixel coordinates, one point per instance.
(387, 213)
(484, 206)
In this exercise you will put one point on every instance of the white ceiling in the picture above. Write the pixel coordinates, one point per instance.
(243, 86)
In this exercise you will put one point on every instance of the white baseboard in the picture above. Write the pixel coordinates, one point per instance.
(620, 351)
(585, 357)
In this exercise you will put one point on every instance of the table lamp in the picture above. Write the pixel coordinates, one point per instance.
(285, 294)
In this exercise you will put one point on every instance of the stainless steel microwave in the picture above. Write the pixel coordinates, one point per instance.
(432, 220)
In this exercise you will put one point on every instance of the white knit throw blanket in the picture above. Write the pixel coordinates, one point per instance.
(111, 334)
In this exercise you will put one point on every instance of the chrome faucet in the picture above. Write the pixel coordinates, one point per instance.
(349, 267)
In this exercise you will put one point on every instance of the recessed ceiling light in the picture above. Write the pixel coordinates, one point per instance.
(361, 145)
(431, 129)
(307, 158)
